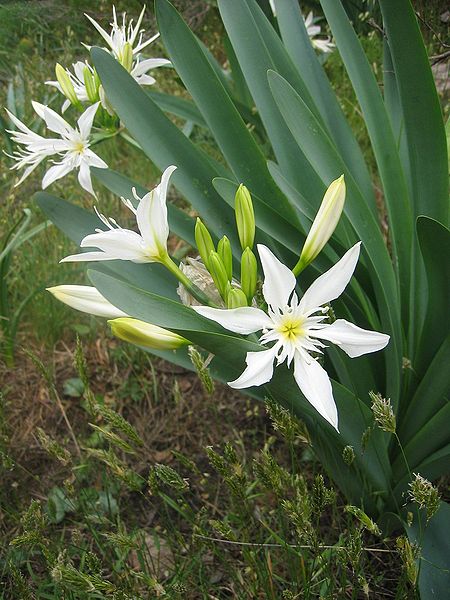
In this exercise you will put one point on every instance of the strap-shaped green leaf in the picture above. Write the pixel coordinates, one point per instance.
(423, 123)
(232, 136)
(256, 54)
(298, 44)
(382, 138)
(328, 164)
(434, 241)
(180, 107)
(164, 143)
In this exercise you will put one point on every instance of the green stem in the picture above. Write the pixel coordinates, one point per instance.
(186, 282)
(301, 264)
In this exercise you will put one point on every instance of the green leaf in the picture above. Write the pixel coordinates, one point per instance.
(164, 143)
(382, 138)
(298, 45)
(328, 164)
(232, 136)
(423, 123)
(434, 564)
(434, 241)
(73, 387)
(256, 52)
(180, 107)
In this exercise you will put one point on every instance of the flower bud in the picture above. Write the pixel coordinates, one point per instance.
(236, 298)
(145, 334)
(224, 251)
(249, 274)
(127, 56)
(86, 298)
(245, 217)
(218, 273)
(66, 84)
(92, 83)
(324, 223)
(204, 242)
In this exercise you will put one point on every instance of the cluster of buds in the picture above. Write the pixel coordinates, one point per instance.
(218, 262)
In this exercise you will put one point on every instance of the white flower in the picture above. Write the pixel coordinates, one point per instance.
(313, 30)
(150, 245)
(72, 147)
(125, 36)
(86, 298)
(297, 328)
(77, 80)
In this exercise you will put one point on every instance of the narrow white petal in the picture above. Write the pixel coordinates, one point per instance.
(352, 339)
(88, 257)
(86, 299)
(86, 119)
(53, 121)
(56, 172)
(244, 320)
(279, 280)
(101, 31)
(315, 385)
(93, 160)
(259, 370)
(332, 283)
(122, 244)
(143, 66)
(84, 177)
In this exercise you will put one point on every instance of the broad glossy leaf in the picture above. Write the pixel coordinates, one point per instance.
(434, 563)
(434, 241)
(325, 159)
(180, 107)
(382, 138)
(423, 123)
(256, 54)
(231, 134)
(304, 57)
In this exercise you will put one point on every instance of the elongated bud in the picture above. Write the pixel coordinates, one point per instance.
(236, 298)
(218, 273)
(86, 298)
(204, 242)
(91, 83)
(224, 251)
(145, 334)
(249, 274)
(127, 56)
(245, 217)
(66, 84)
(324, 224)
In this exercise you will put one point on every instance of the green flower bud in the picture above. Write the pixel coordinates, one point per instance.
(245, 217)
(249, 274)
(66, 84)
(204, 242)
(218, 273)
(324, 223)
(224, 251)
(145, 334)
(236, 298)
(92, 83)
(126, 59)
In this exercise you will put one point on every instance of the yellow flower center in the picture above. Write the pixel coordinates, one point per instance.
(79, 147)
(291, 327)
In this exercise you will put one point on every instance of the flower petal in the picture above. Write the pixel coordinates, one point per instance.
(332, 283)
(315, 385)
(242, 320)
(84, 177)
(56, 172)
(353, 340)
(279, 281)
(259, 370)
(86, 119)
(87, 299)
(53, 121)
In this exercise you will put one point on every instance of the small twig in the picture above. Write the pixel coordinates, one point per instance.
(295, 546)
(439, 57)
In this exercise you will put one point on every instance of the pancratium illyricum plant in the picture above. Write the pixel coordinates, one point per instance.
(265, 260)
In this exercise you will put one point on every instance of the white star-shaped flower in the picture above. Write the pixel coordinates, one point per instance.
(116, 243)
(72, 147)
(297, 328)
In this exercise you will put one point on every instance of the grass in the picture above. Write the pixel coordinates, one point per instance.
(121, 477)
